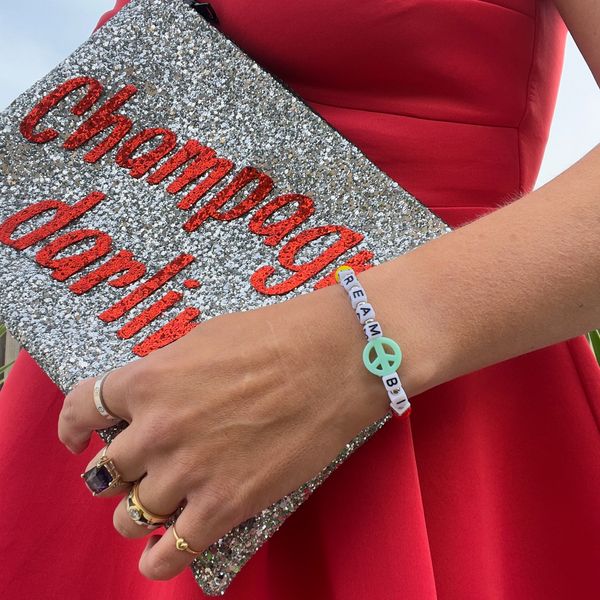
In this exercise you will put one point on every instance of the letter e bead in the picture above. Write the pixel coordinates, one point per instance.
(357, 294)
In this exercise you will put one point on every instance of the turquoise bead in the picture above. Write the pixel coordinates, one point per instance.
(387, 356)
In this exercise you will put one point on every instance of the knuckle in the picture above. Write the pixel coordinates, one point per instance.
(155, 435)
(136, 382)
(68, 412)
(68, 424)
(227, 499)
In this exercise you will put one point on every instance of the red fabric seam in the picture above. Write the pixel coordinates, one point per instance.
(528, 92)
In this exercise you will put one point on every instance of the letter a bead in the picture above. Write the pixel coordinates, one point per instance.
(364, 312)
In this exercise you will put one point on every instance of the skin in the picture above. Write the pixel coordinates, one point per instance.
(248, 406)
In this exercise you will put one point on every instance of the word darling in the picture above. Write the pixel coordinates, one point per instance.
(191, 171)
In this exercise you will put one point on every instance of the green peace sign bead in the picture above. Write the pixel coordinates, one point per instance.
(387, 359)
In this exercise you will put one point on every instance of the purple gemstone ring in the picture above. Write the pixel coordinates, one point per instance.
(103, 475)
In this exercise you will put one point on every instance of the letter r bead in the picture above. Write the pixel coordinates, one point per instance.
(347, 279)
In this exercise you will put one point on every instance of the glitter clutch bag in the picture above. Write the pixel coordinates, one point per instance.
(159, 177)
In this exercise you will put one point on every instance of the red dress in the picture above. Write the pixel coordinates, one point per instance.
(491, 490)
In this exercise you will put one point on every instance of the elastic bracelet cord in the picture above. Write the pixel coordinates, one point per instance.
(382, 355)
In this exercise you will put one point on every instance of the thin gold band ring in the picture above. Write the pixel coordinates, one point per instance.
(181, 544)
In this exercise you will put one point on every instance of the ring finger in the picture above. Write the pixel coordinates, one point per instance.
(155, 496)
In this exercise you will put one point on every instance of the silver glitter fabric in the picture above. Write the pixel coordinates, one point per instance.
(196, 83)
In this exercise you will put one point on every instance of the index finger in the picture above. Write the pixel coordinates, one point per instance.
(79, 416)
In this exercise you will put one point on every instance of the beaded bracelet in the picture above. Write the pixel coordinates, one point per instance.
(387, 354)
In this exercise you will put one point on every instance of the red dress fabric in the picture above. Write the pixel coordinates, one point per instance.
(491, 490)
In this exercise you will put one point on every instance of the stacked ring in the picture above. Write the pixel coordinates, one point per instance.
(181, 544)
(103, 475)
(141, 515)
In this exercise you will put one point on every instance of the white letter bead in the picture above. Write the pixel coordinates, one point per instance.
(347, 279)
(372, 329)
(357, 294)
(399, 401)
(391, 381)
(365, 311)
(400, 409)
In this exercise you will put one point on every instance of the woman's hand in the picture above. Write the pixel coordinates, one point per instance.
(231, 417)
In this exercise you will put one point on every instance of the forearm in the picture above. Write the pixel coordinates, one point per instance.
(520, 278)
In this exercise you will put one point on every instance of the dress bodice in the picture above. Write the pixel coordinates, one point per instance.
(452, 99)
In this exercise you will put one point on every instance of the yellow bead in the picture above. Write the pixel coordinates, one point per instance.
(342, 268)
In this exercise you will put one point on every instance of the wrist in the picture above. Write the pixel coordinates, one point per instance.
(407, 316)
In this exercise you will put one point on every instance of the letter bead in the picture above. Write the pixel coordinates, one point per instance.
(347, 278)
(372, 329)
(399, 401)
(387, 354)
(391, 381)
(364, 312)
(357, 294)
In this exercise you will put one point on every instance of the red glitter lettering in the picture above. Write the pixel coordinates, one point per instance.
(63, 268)
(122, 262)
(140, 165)
(240, 181)
(64, 215)
(146, 289)
(302, 273)
(191, 284)
(278, 230)
(150, 314)
(101, 120)
(205, 163)
(47, 103)
(185, 154)
(173, 330)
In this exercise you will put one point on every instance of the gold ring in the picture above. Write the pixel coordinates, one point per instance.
(140, 514)
(103, 475)
(181, 544)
